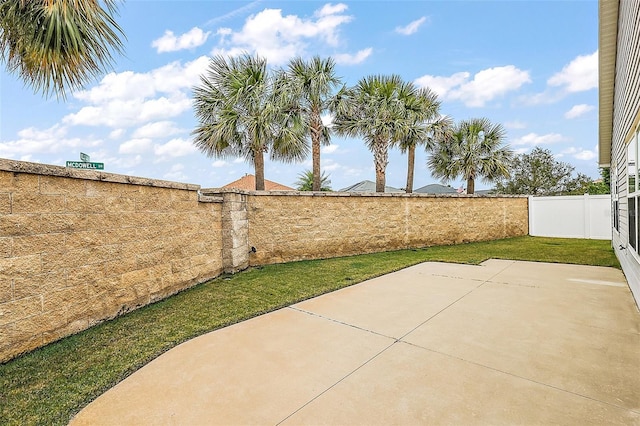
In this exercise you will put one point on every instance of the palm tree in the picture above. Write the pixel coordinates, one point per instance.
(473, 150)
(422, 125)
(313, 84)
(57, 45)
(305, 181)
(373, 109)
(244, 111)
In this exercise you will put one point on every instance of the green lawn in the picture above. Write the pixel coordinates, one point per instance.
(49, 385)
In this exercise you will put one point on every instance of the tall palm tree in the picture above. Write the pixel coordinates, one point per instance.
(313, 85)
(422, 125)
(374, 110)
(474, 150)
(58, 45)
(245, 111)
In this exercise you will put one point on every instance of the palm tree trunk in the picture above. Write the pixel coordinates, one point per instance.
(470, 185)
(258, 164)
(315, 154)
(380, 158)
(411, 159)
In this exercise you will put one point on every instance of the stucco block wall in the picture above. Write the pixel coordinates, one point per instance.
(294, 226)
(78, 247)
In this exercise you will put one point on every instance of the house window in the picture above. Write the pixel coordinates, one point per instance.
(633, 191)
(614, 199)
(633, 235)
(632, 172)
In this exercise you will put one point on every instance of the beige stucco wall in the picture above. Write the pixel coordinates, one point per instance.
(79, 247)
(294, 226)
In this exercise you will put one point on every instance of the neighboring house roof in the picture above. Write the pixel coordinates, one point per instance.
(436, 188)
(248, 183)
(367, 186)
(607, 40)
(483, 192)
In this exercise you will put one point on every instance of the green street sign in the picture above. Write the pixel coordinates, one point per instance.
(84, 157)
(85, 165)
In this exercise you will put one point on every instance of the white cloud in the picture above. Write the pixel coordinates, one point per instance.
(189, 40)
(176, 173)
(174, 148)
(331, 9)
(586, 155)
(578, 110)
(485, 86)
(332, 167)
(135, 146)
(175, 77)
(515, 125)
(579, 75)
(119, 113)
(279, 38)
(329, 149)
(579, 153)
(123, 162)
(51, 133)
(546, 97)
(327, 119)
(534, 139)
(32, 141)
(352, 59)
(442, 85)
(127, 99)
(219, 163)
(124, 86)
(128, 85)
(116, 134)
(158, 129)
(232, 52)
(412, 27)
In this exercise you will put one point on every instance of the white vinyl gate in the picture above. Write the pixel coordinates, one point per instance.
(574, 216)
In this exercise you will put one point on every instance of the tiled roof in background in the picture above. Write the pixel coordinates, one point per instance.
(248, 183)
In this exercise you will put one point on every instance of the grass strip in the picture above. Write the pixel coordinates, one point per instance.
(51, 384)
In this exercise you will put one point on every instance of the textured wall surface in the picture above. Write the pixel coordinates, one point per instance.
(290, 226)
(79, 247)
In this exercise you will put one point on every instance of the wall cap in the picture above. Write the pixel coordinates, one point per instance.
(16, 166)
(220, 191)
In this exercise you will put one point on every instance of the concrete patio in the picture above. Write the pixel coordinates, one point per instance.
(502, 343)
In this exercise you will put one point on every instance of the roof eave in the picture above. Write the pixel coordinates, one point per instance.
(607, 40)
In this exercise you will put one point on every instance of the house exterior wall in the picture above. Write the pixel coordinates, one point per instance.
(626, 118)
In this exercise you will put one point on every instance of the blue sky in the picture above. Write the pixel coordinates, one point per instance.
(530, 65)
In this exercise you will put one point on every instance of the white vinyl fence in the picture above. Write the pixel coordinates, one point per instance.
(575, 216)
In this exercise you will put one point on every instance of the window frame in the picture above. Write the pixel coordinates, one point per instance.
(633, 193)
(615, 202)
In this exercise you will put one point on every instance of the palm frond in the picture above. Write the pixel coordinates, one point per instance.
(58, 45)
